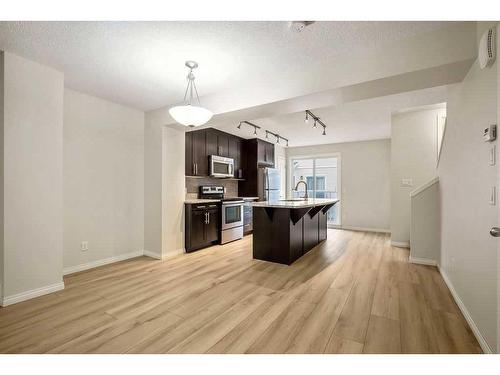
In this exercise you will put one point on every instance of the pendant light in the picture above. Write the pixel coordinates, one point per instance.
(189, 114)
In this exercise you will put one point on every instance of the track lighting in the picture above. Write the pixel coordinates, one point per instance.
(316, 121)
(255, 127)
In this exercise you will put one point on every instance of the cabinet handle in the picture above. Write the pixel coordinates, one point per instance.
(194, 168)
(208, 217)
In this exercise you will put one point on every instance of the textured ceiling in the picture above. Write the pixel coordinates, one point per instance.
(355, 121)
(141, 64)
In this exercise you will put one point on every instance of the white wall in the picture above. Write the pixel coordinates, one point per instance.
(32, 162)
(413, 156)
(468, 253)
(103, 180)
(425, 226)
(173, 191)
(365, 179)
(164, 187)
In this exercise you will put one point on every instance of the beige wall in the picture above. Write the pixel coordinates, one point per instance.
(468, 253)
(32, 162)
(413, 156)
(103, 180)
(153, 139)
(365, 180)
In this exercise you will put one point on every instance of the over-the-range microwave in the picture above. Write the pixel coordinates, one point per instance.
(221, 167)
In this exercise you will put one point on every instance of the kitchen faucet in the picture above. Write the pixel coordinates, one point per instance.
(305, 184)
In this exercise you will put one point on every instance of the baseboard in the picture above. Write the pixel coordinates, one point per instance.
(400, 244)
(101, 262)
(152, 255)
(482, 342)
(424, 261)
(173, 253)
(20, 297)
(164, 256)
(361, 229)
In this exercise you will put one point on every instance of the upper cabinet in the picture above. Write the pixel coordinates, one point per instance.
(265, 153)
(200, 144)
(196, 161)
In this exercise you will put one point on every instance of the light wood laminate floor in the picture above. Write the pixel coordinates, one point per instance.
(353, 293)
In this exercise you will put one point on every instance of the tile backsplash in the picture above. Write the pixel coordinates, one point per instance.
(193, 183)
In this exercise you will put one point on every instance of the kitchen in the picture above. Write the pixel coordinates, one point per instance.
(230, 173)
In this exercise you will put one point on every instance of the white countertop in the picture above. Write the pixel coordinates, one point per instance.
(201, 201)
(295, 204)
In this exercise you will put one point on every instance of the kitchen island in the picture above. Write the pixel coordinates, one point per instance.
(285, 230)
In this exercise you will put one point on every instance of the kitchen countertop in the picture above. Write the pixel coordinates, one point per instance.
(201, 201)
(295, 204)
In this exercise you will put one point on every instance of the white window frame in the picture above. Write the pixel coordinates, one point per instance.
(339, 177)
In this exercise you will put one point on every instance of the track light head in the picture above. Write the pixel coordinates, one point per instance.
(239, 126)
(287, 143)
(254, 131)
(315, 125)
(267, 137)
(306, 120)
(324, 130)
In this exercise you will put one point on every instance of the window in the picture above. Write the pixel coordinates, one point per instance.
(322, 176)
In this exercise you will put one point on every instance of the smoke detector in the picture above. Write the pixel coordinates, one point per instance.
(486, 53)
(298, 26)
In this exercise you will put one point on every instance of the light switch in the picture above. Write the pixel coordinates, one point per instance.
(407, 182)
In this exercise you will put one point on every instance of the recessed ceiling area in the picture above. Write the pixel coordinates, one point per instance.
(141, 64)
(355, 121)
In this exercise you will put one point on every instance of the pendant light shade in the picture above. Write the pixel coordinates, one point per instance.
(189, 114)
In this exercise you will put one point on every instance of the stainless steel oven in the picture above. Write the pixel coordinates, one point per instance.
(232, 220)
(221, 167)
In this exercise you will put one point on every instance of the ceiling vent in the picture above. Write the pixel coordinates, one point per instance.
(487, 49)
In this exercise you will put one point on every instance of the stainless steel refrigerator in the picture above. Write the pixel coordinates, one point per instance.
(269, 184)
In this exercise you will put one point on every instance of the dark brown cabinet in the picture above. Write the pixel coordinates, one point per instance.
(200, 144)
(196, 156)
(265, 153)
(202, 226)
(234, 152)
(256, 155)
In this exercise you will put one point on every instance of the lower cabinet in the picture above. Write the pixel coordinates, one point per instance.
(202, 228)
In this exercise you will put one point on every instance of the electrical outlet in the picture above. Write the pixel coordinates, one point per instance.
(84, 246)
